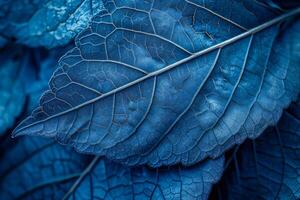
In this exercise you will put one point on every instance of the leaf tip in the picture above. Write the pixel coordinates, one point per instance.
(16, 133)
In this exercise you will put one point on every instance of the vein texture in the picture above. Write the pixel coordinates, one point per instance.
(108, 180)
(38, 168)
(268, 167)
(162, 83)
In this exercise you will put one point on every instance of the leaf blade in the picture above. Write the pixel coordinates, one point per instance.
(267, 166)
(104, 179)
(115, 96)
(38, 168)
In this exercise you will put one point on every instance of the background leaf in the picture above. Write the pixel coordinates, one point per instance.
(281, 4)
(12, 95)
(142, 91)
(41, 64)
(45, 23)
(38, 168)
(268, 167)
(107, 180)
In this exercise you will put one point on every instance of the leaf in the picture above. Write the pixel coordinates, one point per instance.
(12, 96)
(46, 23)
(38, 168)
(42, 63)
(268, 167)
(282, 4)
(170, 82)
(22, 77)
(107, 180)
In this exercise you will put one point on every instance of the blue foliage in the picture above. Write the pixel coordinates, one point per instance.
(175, 99)
(45, 23)
(37, 168)
(268, 167)
(24, 76)
(281, 4)
(170, 82)
(107, 180)
(12, 95)
(40, 64)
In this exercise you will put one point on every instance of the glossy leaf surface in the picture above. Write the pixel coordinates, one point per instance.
(161, 82)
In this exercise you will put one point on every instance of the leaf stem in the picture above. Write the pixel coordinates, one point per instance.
(82, 176)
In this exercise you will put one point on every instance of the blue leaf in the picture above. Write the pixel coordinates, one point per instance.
(107, 180)
(42, 64)
(46, 23)
(268, 167)
(12, 96)
(170, 81)
(281, 4)
(38, 168)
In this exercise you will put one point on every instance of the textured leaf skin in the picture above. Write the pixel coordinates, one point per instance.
(12, 96)
(38, 168)
(46, 23)
(107, 180)
(196, 109)
(268, 167)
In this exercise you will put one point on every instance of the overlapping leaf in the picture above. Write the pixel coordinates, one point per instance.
(37, 168)
(268, 167)
(163, 82)
(107, 180)
(45, 23)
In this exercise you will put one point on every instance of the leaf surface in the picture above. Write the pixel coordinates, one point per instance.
(161, 82)
(46, 23)
(41, 64)
(38, 168)
(268, 167)
(107, 180)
